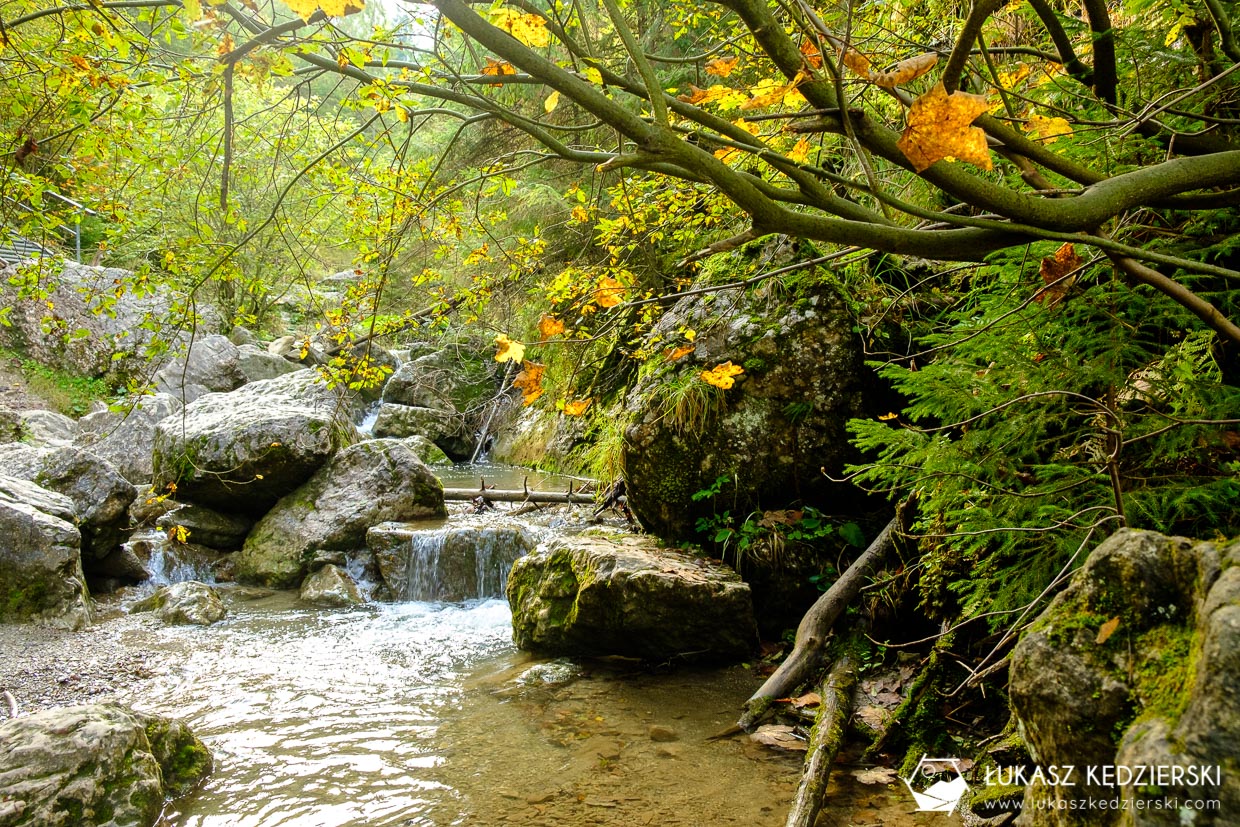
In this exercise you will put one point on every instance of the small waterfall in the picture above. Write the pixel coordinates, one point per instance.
(450, 564)
(369, 417)
(170, 562)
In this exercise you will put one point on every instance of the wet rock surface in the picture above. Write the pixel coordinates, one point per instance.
(184, 603)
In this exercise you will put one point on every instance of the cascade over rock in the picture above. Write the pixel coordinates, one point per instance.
(363, 485)
(629, 596)
(440, 395)
(242, 451)
(447, 562)
(207, 527)
(1158, 690)
(766, 441)
(100, 764)
(41, 575)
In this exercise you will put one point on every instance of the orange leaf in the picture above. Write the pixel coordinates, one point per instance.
(577, 407)
(939, 127)
(856, 61)
(812, 56)
(529, 381)
(609, 292)
(498, 69)
(676, 353)
(1058, 273)
(722, 67)
(721, 375)
(1106, 630)
(905, 71)
(549, 326)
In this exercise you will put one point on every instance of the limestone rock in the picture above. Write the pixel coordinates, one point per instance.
(94, 765)
(426, 450)
(210, 364)
(450, 562)
(628, 596)
(208, 527)
(100, 495)
(363, 485)
(185, 603)
(330, 586)
(10, 425)
(127, 438)
(534, 436)
(48, 429)
(448, 391)
(769, 436)
(242, 451)
(41, 575)
(1158, 690)
(258, 364)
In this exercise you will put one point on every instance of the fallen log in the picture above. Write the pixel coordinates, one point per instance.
(815, 627)
(525, 495)
(833, 714)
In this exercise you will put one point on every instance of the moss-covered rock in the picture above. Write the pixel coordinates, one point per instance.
(593, 595)
(1135, 664)
(449, 391)
(184, 603)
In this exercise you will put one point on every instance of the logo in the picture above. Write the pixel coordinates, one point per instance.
(941, 796)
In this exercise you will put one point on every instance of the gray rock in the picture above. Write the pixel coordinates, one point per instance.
(769, 436)
(453, 388)
(171, 562)
(451, 562)
(330, 586)
(242, 336)
(95, 765)
(257, 364)
(1158, 690)
(210, 364)
(535, 436)
(185, 603)
(628, 596)
(10, 425)
(122, 564)
(240, 452)
(426, 450)
(100, 495)
(127, 438)
(41, 575)
(363, 485)
(48, 429)
(432, 424)
(208, 527)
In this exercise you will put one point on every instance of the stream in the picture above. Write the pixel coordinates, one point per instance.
(423, 713)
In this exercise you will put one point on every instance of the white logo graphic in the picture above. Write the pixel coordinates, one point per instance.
(941, 796)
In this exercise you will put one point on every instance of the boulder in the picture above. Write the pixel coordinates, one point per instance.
(240, 336)
(100, 764)
(330, 586)
(1136, 664)
(100, 495)
(535, 436)
(363, 485)
(48, 429)
(257, 364)
(41, 575)
(168, 561)
(225, 532)
(10, 425)
(242, 451)
(126, 438)
(761, 444)
(426, 450)
(594, 595)
(448, 391)
(186, 603)
(450, 562)
(209, 364)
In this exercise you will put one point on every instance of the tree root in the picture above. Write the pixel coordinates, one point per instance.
(833, 714)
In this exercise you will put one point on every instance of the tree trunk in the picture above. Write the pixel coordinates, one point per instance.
(833, 714)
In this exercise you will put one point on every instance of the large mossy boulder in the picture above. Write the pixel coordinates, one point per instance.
(41, 575)
(763, 443)
(442, 396)
(594, 595)
(100, 764)
(126, 438)
(242, 451)
(365, 484)
(1136, 664)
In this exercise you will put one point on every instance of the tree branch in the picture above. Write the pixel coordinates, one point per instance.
(1198, 306)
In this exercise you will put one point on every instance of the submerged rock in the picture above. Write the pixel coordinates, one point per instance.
(41, 576)
(100, 764)
(628, 596)
(183, 604)
(242, 451)
(363, 485)
(1136, 664)
(447, 563)
(330, 586)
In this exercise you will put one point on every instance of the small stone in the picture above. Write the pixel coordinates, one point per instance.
(662, 734)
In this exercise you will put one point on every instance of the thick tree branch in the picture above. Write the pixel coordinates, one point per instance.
(1199, 307)
(956, 61)
(1105, 79)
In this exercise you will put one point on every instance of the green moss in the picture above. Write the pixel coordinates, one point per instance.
(994, 799)
(1165, 670)
(22, 602)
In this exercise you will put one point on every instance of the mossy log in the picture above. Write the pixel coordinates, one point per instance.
(833, 714)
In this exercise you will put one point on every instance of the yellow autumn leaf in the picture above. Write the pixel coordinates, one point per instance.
(580, 214)
(722, 67)
(1048, 130)
(529, 381)
(887, 417)
(939, 127)
(530, 29)
(679, 352)
(331, 8)
(905, 71)
(552, 101)
(593, 75)
(577, 407)
(859, 63)
(498, 68)
(193, 9)
(549, 326)
(507, 350)
(609, 292)
(800, 152)
(1106, 630)
(722, 376)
